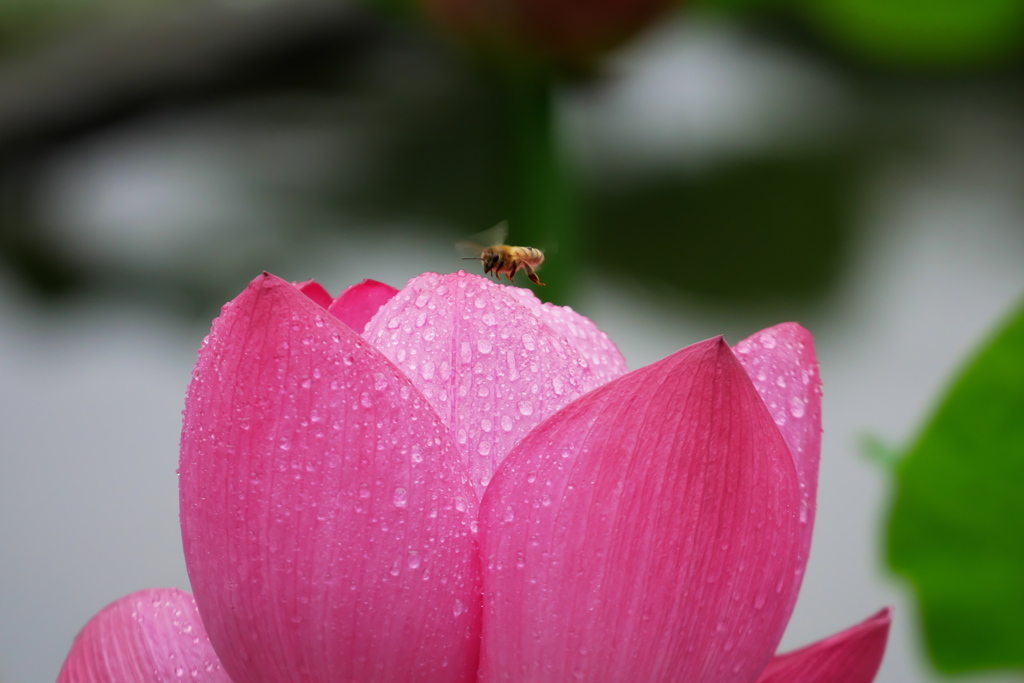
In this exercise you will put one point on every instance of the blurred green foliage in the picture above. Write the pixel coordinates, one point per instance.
(755, 227)
(946, 33)
(23, 21)
(755, 230)
(929, 34)
(956, 529)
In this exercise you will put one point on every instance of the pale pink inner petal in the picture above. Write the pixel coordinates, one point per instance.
(597, 350)
(360, 302)
(153, 635)
(328, 527)
(315, 291)
(782, 364)
(852, 656)
(784, 368)
(649, 531)
(492, 360)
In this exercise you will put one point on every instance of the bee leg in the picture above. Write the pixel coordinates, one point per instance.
(509, 276)
(532, 275)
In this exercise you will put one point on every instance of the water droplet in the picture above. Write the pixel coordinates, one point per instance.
(526, 408)
(483, 346)
(743, 347)
(480, 302)
(484, 448)
(380, 382)
(768, 340)
(781, 381)
(510, 514)
(796, 407)
(364, 490)
(393, 324)
(427, 370)
(365, 399)
(416, 453)
(760, 600)
(422, 300)
(486, 425)
(414, 560)
(506, 423)
(528, 342)
(458, 608)
(401, 498)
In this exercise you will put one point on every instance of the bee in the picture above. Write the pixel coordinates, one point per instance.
(501, 258)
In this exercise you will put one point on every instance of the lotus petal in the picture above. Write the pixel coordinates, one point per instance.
(852, 656)
(492, 360)
(648, 531)
(360, 302)
(326, 519)
(152, 636)
(782, 364)
(315, 291)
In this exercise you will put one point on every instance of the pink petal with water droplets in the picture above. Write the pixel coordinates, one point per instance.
(783, 366)
(315, 291)
(646, 532)
(327, 524)
(359, 303)
(492, 360)
(852, 656)
(152, 636)
(599, 353)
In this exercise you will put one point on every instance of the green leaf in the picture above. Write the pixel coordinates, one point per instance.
(944, 33)
(956, 529)
(879, 452)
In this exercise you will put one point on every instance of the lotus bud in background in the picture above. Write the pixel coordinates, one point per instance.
(563, 32)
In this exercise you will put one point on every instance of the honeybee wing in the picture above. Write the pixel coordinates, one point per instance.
(493, 236)
(468, 250)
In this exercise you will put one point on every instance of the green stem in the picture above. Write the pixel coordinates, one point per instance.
(542, 208)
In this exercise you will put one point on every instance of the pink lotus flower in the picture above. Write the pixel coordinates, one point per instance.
(460, 483)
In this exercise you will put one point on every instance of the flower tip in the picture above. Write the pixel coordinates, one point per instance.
(315, 291)
(882, 616)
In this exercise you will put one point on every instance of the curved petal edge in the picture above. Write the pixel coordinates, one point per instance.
(782, 364)
(357, 305)
(150, 636)
(852, 656)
